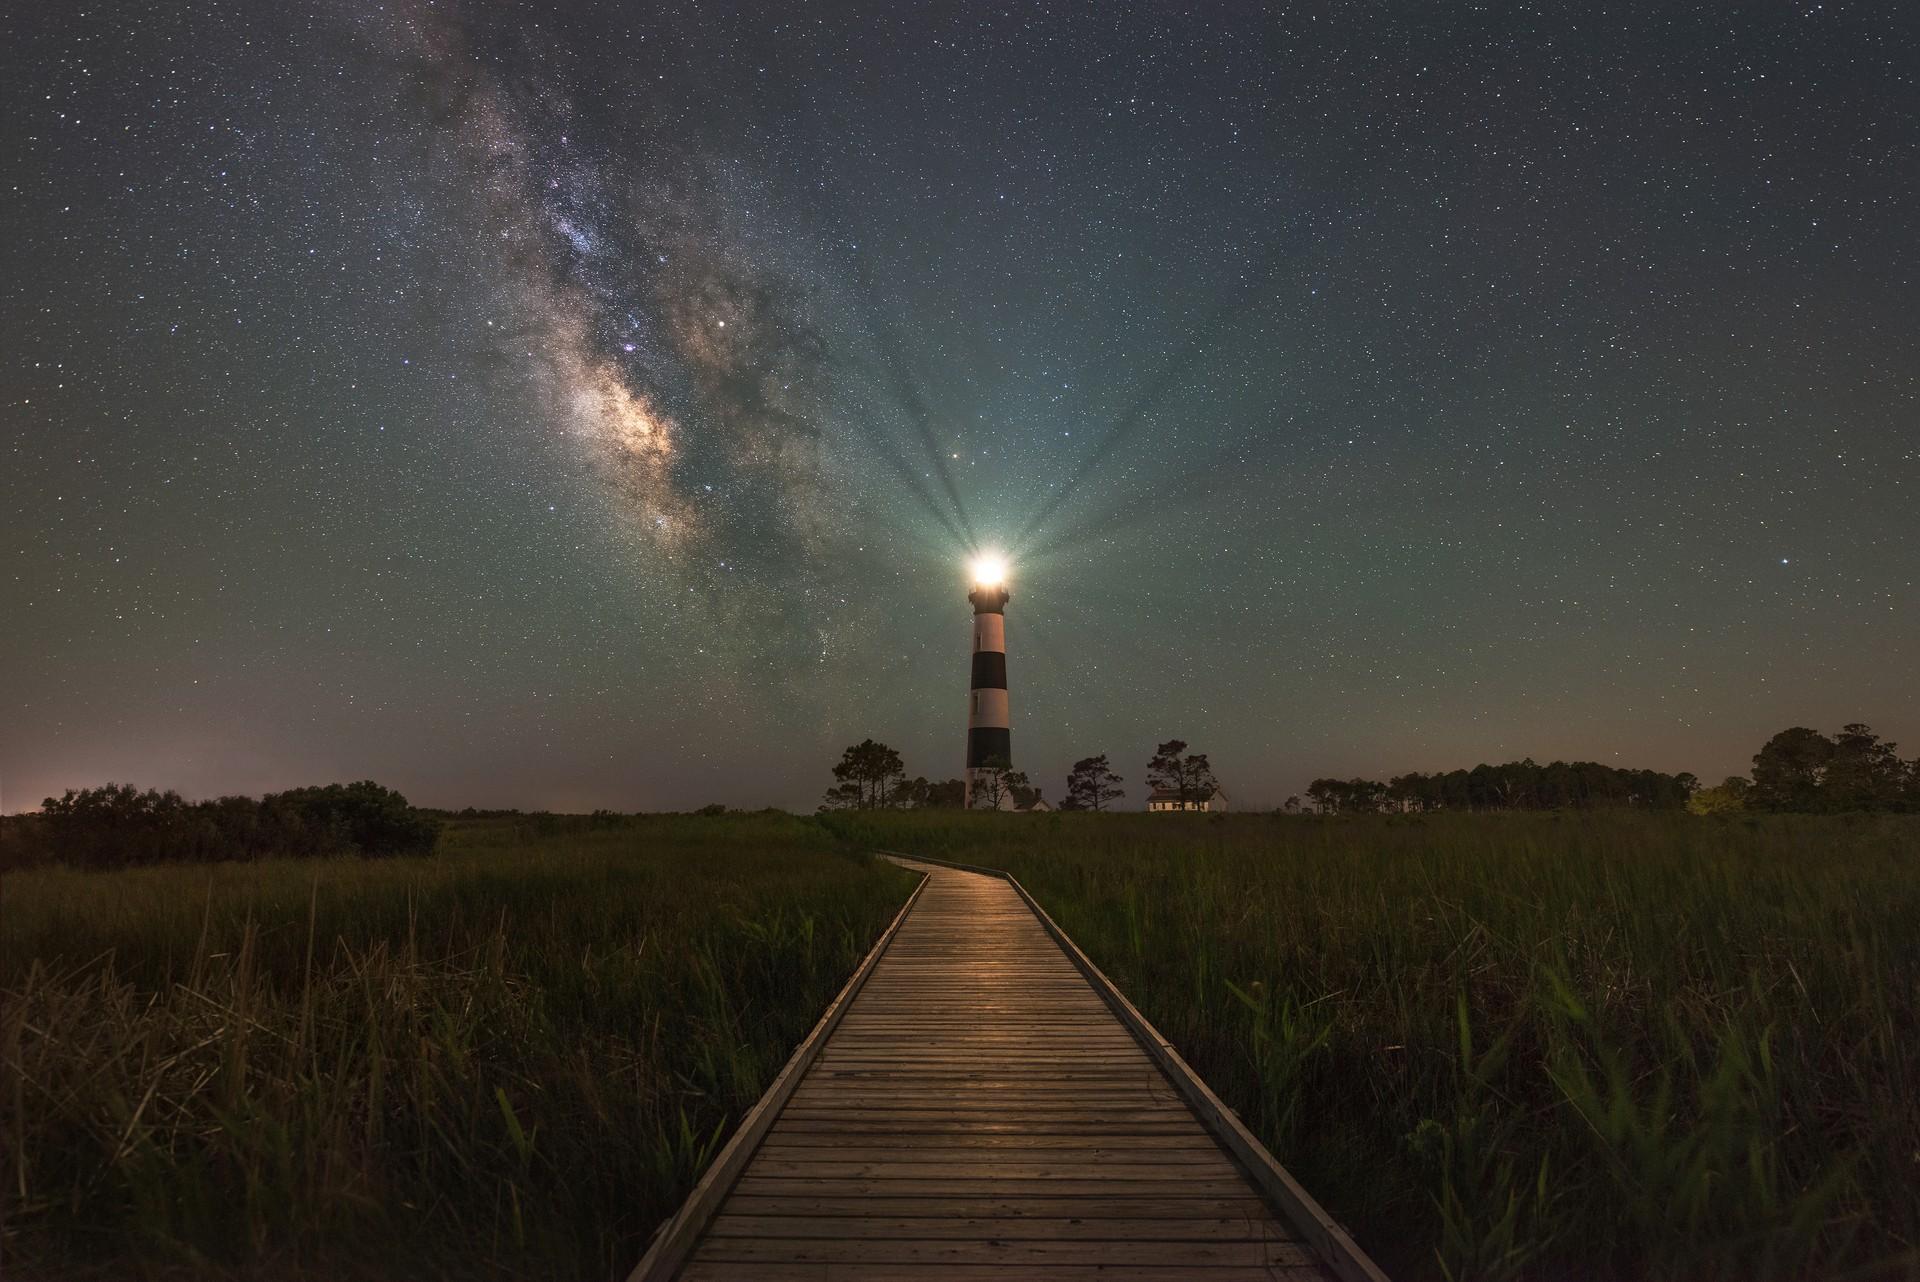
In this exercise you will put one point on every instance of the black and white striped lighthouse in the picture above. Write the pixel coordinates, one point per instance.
(989, 730)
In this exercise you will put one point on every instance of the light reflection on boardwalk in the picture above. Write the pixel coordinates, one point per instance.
(979, 1112)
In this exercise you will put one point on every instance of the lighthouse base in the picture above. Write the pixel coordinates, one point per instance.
(980, 787)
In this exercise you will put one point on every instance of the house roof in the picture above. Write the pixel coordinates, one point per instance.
(1173, 794)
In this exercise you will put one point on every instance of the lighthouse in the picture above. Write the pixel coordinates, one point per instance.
(989, 731)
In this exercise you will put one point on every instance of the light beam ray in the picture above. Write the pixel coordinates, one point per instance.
(1169, 377)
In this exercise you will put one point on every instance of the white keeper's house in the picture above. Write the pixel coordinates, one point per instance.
(1169, 799)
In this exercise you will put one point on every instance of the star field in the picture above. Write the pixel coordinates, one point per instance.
(595, 405)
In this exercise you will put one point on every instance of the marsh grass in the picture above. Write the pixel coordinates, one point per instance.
(509, 1059)
(1599, 1045)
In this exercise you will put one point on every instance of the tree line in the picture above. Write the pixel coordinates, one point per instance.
(1801, 771)
(872, 776)
(119, 825)
(1515, 785)
(1797, 771)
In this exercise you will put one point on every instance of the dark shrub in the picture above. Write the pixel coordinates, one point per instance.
(119, 824)
(360, 816)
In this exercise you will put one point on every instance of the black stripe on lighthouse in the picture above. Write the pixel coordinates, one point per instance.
(989, 740)
(989, 669)
(988, 743)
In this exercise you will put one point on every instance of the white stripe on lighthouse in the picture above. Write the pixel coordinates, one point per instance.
(990, 632)
(988, 708)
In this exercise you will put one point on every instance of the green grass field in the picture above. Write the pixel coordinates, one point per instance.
(1585, 1045)
(1597, 1046)
(509, 1059)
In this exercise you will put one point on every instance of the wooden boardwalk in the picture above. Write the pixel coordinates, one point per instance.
(979, 1111)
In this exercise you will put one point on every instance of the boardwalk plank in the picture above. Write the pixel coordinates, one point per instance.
(851, 1272)
(998, 1142)
(746, 1250)
(1175, 1227)
(1000, 1208)
(995, 1148)
(983, 1186)
(1141, 1167)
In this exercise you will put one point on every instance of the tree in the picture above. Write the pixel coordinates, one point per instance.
(949, 794)
(364, 815)
(1347, 796)
(998, 785)
(1186, 775)
(1864, 773)
(1789, 769)
(1804, 771)
(119, 824)
(842, 796)
(868, 774)
(1321, 793)
(1726, 798)
(1516, 785)
(1091, 784)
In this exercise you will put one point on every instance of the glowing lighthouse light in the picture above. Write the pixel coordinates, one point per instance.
(989, 734)
(990, 570)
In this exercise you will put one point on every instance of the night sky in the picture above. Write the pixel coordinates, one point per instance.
(570, 405)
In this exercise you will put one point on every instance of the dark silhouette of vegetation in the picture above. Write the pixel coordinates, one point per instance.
(1517, 785)
(1346, 796)
(868, 774)
(919, 793)
(871, 776)
(1788, 771)
(999, 786)
(1801, 770)
(1729, 795)
(363, 817)
(1797, 771)
(1187, 775)
(1091, 784)
(118, 824)
(948, 794)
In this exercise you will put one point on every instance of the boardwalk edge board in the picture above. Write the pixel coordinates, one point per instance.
(1319, 1229)
(674, 1241)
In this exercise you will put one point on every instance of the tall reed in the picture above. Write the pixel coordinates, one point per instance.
(510, 1059)
(1600, 1045)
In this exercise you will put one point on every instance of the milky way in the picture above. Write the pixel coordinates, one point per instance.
(596, 404)
(623, 286)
